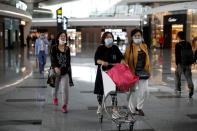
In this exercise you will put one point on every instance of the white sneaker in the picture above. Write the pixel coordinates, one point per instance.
(99, 109)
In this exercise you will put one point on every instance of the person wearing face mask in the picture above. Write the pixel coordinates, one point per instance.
(60, 62)
(41, 51)
(107, 53)
(137, 58)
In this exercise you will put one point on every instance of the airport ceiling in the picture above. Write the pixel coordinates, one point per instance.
(47, 2)
(52, 2)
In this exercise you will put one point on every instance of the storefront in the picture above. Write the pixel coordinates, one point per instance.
(15, 21)
(168, 24)
(192, 27)
(11, 32)
(172, 25)
(1, 33)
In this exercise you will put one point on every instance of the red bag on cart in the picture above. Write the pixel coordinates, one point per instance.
(123, 77)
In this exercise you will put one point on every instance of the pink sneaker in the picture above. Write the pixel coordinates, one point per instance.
(64, 109)
(55, 101)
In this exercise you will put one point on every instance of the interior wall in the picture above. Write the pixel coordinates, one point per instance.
(91, 35)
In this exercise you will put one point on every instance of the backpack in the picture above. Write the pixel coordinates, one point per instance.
(187, 56)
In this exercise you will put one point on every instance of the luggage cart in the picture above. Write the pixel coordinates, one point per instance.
(113, 99)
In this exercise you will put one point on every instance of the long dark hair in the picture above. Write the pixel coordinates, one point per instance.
(105, 35)
(58, 35)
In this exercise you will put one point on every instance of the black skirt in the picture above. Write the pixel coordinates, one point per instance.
(98, 87)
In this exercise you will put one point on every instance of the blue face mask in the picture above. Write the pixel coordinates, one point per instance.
(108, 41)
(42, 37)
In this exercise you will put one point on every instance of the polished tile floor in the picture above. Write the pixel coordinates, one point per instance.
(26, 105)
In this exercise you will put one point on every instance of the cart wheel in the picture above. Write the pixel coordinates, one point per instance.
(101, 119)
(130, 127)
(119, 127)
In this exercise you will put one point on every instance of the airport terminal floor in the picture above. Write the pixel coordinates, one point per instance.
(26, 102)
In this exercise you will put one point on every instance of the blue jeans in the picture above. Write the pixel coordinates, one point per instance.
(42, 60)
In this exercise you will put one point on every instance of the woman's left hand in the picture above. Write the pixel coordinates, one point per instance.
(123, 62)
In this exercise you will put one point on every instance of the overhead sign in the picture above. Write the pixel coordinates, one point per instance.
(65, 23)
(59, 19)
(175, 19)
(59, 15)
(62, 21)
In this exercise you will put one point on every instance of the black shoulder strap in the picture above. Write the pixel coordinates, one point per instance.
(131, 49)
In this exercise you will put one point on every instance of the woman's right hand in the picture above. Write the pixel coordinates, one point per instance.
(57, 70)
(103, 63)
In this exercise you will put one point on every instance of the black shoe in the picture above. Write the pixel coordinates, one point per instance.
(71, 83)
(178, 92)
(191, 92)
(140, 112)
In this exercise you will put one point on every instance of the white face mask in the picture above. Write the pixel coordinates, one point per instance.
(62, 42)
(137, 40)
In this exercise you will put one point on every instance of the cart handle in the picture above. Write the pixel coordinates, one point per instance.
(112, 64)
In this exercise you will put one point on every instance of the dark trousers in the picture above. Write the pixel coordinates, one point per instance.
(113, 97)
(186, 70)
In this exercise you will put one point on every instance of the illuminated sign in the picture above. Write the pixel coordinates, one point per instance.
(172, 19)
(59, 11)
(59, 15)
(21, 5)
(23, 22)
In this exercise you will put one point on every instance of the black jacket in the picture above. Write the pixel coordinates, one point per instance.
(111, 55)
(60, 59)
(182, 50)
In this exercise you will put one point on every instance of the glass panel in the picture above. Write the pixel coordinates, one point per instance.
(175, 29)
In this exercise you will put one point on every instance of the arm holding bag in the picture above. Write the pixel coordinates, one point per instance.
(123, 77)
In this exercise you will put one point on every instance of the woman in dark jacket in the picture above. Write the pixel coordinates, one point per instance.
(107, 53)
(60, 62)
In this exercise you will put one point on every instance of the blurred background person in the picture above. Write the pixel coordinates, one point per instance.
(41, 51)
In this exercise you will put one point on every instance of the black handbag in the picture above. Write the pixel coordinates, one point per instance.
(142, 74)
(51, 78)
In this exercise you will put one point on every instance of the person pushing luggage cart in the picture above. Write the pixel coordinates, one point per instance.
(106, 53)
(106, 56)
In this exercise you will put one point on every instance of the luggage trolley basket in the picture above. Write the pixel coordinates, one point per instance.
(115, 104)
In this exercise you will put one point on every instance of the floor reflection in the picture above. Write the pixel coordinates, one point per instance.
(20, 62)
(14, 65)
